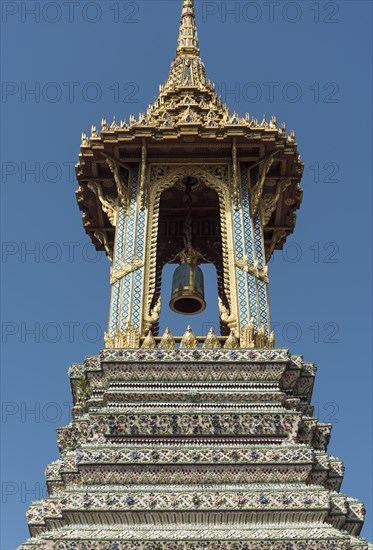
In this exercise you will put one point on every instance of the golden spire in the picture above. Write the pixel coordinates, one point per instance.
(187, 44)
(187, 69)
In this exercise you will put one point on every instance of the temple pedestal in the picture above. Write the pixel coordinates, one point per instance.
(194, 449)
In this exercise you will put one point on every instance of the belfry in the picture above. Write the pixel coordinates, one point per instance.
(183, 441)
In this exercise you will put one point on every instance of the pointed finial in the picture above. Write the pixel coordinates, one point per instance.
(273, 122)
(149, 342)
(85, 141)
(113, 125)
(104, 125)
(231, 341)
(167, 340)
(212, 341)
(189, 340)
(187, 43)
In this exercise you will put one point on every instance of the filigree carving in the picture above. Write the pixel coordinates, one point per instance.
(277, 236)
(226, 316)
(256, 339)
(189, 340)
(123, 189)
(269, 201)
(102, 237)
(110, 205)
(253, 269)
(235, 175)
(171, 174)
(153, 317)
(247, 336)
(211, 341)
(130, 339)
(143, 174)
(125, 269)
(189, 256)
(257, 191)
(116, 341)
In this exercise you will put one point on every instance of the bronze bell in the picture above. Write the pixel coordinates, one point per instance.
(187, 295)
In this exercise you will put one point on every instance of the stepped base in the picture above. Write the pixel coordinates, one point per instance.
(295, 536)
(152, 461)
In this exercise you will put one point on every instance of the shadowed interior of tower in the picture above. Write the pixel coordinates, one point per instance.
(205, 239)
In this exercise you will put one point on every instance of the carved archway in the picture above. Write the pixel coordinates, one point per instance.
(215, 177)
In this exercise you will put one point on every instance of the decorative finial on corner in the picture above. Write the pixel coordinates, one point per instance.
(291, 138)
(273, 122)
(85, 142)
(94, 133)
(113, 125)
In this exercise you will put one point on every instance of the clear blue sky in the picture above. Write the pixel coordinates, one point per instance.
(307, 62)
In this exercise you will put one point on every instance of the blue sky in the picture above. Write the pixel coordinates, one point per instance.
(307, 62)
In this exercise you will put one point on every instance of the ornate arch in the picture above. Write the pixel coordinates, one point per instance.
(162, 177)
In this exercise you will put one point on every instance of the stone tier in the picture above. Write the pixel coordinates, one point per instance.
(218, 536)
(194, 449)
(138, 464)
(238, 504)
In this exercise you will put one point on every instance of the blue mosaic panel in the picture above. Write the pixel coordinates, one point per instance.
(138, 275)
(140, 240)
(137, 295)
(129, 251)
(262, 290)
(259, 241)
(253, 298)
(242, 297)
(249, 247)
(263, 305)
(130, 237)
(241, 278)
(118, 258)
(119, 239)
(115, 294)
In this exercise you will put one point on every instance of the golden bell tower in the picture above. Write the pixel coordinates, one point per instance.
(246, 189)
(183, 442)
